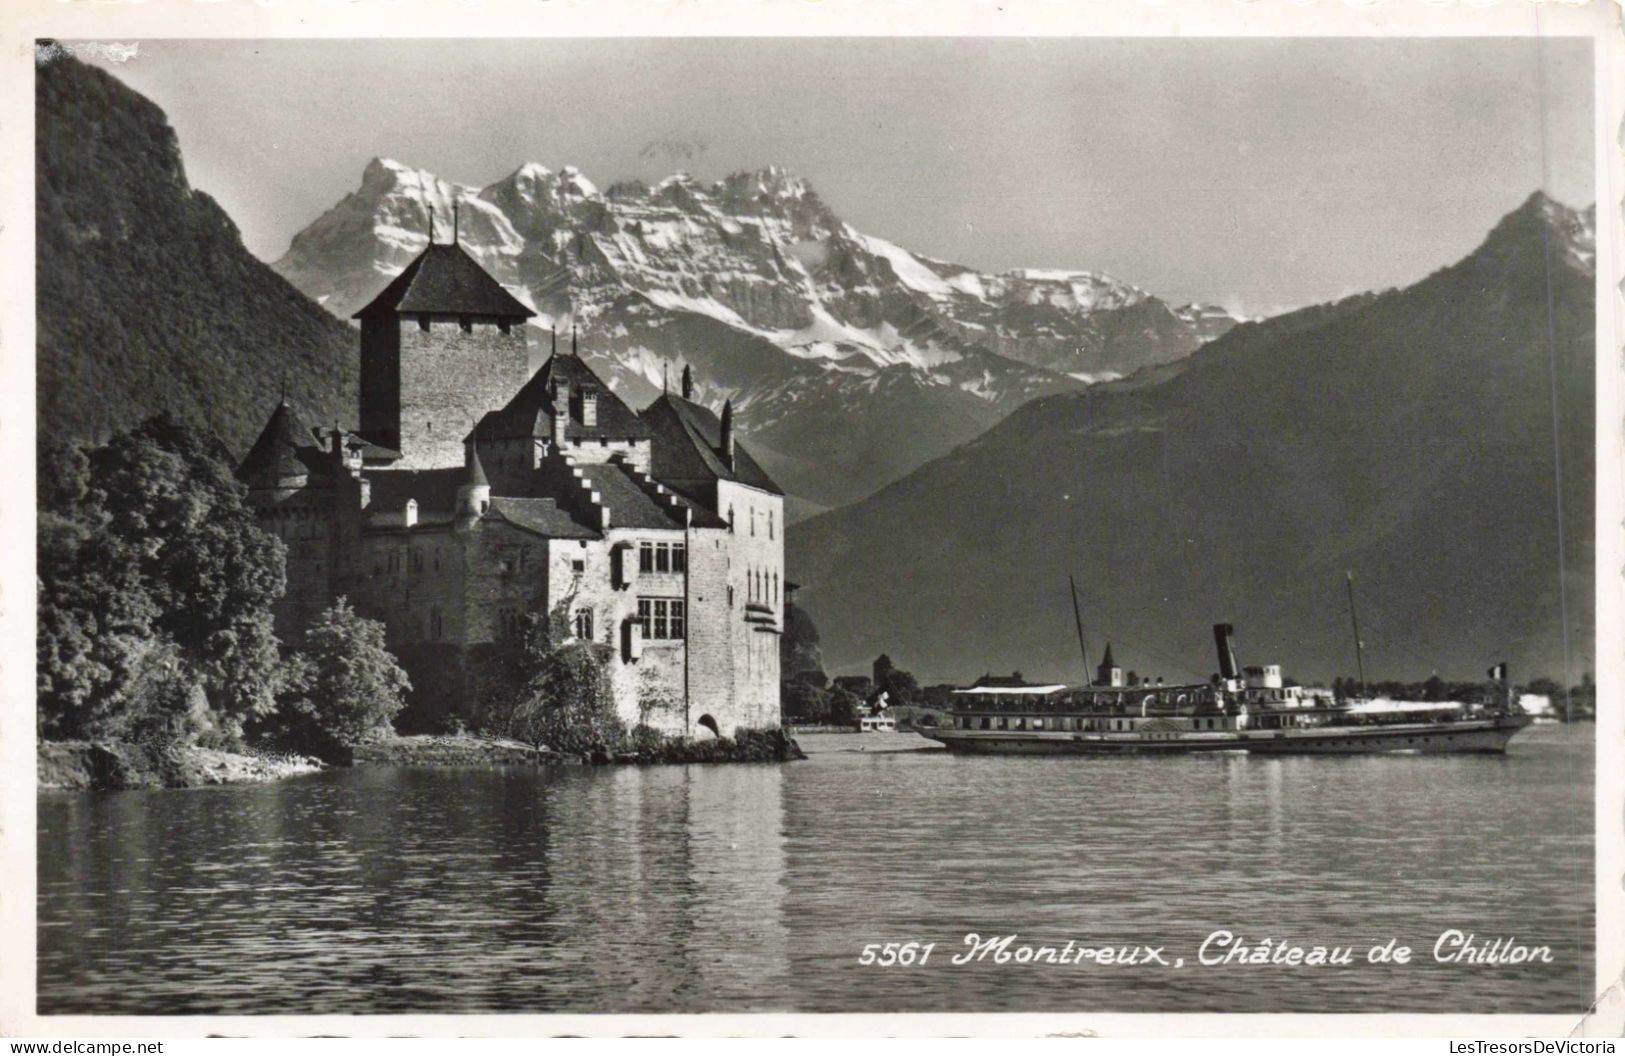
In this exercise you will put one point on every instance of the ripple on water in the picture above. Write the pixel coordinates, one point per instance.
(756, 887)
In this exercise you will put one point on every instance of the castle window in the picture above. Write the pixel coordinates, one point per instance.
(770, 524)
(679, 557)
(663, 557)
(663, 618)
(730, 517)
(583, 624)
(646, 557)
(508, 623)
(578, 566)
(423, 322)
(417, 560)
(436, 624)
(466, 323)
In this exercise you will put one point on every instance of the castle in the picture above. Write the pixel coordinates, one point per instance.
(474, 493)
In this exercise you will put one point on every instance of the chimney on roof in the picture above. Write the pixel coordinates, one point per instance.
(728, 433)
(561, 412)
(688, 382)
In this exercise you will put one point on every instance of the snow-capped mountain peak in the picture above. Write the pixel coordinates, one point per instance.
(789, 307)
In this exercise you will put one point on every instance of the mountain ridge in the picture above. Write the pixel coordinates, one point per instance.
(793, 314)
(1405, 435)
(146, 298)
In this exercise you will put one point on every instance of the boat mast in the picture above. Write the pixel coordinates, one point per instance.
(1359, 646)
(1077, 616)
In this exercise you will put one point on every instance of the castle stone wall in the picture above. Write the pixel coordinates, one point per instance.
(757, 579)
(449, 379)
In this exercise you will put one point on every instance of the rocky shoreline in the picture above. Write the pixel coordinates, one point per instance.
(748, 746)
(80, 765)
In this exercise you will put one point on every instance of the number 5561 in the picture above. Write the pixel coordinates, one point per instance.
(903, 954)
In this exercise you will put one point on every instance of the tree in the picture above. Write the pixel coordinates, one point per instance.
(843, 707)
(902, 688)
(567, 703)
(168, 494)
(801, 701)
(344, 685)
(153, 581)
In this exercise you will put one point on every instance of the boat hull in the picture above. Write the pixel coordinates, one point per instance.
(1486, 736)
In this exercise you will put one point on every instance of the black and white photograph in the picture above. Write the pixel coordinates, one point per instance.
(911, 522)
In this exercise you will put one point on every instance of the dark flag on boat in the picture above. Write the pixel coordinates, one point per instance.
(1498, 673)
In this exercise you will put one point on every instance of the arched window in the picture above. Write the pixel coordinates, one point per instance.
(770, 524)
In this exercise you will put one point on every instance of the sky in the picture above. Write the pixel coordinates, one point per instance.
(1258, 174)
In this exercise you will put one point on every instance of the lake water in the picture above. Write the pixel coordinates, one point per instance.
(756, 888)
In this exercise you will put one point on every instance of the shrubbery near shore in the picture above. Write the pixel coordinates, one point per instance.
(156, 588)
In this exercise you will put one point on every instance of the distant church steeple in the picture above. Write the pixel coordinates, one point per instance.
(1108, 674)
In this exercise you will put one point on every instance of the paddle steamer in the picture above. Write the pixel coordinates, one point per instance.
(1248, 710)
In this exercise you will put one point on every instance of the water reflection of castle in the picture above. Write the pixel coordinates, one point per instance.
(474, 493)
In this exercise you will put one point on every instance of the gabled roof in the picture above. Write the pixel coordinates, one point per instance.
(687, 439)
(629, 505)
(530, 412)
(434, 489)
(444, 279)
(282, 450)
(542, 516)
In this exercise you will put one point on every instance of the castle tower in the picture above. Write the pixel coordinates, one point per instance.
(290, 484)
(441, 346)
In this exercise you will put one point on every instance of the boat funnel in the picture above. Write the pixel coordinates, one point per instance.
(1222, 633)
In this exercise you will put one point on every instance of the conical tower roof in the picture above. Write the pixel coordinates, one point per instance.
(276, 453)
(476, 472)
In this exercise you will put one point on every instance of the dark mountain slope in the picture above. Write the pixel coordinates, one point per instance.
(1406, 436)
(147, 300)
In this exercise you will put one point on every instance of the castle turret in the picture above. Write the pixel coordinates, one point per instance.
(474, 493)
(274, 462)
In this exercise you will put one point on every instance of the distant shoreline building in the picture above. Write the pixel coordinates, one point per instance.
(473, 495)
